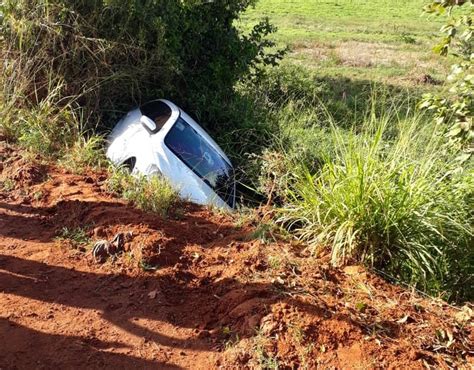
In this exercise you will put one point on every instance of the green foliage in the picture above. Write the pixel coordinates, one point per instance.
(293, 110)
(265, 359)
(455, 107)
(377, 40)
(106, 56)
(7, 184)
(152, 194)
(77, 236)
(86, 152)
(390, 195)
(43, 129)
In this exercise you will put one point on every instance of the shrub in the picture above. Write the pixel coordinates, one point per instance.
(390, 195)
(152, 194)
(106, 56)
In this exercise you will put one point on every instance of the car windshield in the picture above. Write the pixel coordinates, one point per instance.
(189, 146)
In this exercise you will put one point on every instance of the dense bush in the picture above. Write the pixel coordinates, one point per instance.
(104, 56)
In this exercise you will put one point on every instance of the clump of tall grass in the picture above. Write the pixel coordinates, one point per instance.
(86, 152)
(391, 195)
(153, 194)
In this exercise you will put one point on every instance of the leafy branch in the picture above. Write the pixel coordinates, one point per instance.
(455, 106)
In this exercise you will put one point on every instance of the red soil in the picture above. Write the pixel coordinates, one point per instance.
(215, 298)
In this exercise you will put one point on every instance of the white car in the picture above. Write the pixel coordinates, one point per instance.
(159, 138)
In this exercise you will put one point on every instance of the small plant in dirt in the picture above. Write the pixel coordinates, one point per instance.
(153, 194)
(266, 232)
(231, 342)
(7, 184)
(264, 357)
(274, 262)
(38, 195)
(262, 232)
(147, 266)
(361, 306)
(77, 236)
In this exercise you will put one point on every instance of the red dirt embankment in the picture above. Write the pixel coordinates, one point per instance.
(192, 291)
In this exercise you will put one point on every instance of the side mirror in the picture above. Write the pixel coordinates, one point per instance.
(148, 123)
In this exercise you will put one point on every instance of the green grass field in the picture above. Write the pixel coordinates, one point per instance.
(377, 40)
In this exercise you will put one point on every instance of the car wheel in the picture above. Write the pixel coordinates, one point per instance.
(129, 164)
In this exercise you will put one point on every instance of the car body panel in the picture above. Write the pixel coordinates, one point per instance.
(130, 139)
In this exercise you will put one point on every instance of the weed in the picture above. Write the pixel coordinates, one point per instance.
(77, 236)
(231, 342)
(45, 129)
(265, 232)
(389, 194)
(304, 351)
(84, 153)
(8, 184)
(306, 354)
(361, 306)
(297, 332)
(145, 266)
(265, 359)
(274, 262)
(407, 38)
(38, 195)
(152, 194)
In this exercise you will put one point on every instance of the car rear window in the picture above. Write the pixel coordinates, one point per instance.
(157, 111)
(206, 162)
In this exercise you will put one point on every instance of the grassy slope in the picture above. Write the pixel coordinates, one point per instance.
(381, 40)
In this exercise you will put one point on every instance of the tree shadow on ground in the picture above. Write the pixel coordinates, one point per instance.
(124, 303)
(45, 224)
(24, 348)
(184, 299)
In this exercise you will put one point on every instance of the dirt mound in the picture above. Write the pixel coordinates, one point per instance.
(18, 171)
(194, 291)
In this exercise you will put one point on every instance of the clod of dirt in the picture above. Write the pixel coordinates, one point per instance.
(103, 249)
(23, 172)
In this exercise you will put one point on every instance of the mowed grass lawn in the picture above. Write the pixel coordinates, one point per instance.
(387, 41)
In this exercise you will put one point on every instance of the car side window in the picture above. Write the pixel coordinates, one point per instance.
(157, 111)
